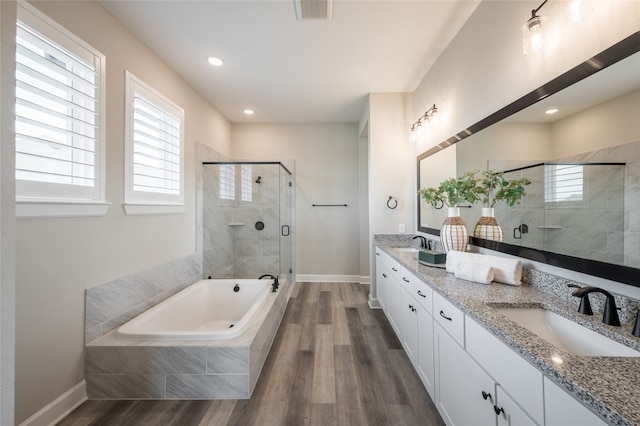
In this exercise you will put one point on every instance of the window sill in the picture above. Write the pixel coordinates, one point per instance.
(41, 209)
(140, 209)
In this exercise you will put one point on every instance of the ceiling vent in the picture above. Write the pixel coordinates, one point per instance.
(313, 9)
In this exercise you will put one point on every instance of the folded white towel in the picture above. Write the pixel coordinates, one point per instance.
(506, 271)
(476, 272)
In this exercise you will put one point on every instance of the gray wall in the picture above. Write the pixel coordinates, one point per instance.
(327, 172)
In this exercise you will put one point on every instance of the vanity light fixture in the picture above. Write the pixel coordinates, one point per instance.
(216, 61)
(429, 116)
(532, 32)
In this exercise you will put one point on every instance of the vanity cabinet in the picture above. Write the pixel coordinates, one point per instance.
(516, 376)
(464, 392)
(473, 377)
(382, 277)
(562, 409)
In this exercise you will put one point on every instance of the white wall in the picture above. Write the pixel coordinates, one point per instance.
(483, 69)
(58, 258)
(326, 172)
(7, 208)
(392, 169)
(609, 124)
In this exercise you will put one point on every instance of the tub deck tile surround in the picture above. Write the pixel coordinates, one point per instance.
(110, 305)
(608, 385)
(329, 365)
(115, 368)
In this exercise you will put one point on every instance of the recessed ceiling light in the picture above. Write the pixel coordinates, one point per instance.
(215, 61)
(248, 111)
(551, 111)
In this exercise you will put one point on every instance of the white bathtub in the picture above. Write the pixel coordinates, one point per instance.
(206, 310)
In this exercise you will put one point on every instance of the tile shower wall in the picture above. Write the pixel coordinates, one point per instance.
(608, 231)
(234, 246)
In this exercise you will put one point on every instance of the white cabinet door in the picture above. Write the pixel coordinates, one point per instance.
(382, 276)
(508, 412)
(561, 409)
(394, 304)
(426, 365)
(464, 392)
(410, 327)
(516, 376)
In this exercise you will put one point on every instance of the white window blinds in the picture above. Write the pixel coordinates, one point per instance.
(563, 182)
(154, 145)
(58, 123)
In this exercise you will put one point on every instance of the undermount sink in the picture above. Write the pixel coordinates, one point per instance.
(407, 249)
(565, 334)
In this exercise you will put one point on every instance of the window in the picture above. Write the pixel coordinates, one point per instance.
(563, 182)
(59, 122)
(228, 182)
(154, 151)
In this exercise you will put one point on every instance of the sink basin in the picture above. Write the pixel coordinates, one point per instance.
(407, 249)
(565, 334)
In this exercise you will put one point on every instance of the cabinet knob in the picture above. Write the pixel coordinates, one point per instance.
(405, 279)
(486, 395)
(420, 294)
(498, 410)
(384, 275)
(394, 269)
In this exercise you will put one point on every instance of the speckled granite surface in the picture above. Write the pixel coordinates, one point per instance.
(609, 385)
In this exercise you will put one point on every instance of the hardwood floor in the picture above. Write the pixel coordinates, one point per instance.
(334, 361)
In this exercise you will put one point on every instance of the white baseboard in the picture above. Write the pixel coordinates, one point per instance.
(59, 408)
(374, 303)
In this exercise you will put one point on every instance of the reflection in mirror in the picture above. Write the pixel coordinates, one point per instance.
(570, 208)
(597, 122)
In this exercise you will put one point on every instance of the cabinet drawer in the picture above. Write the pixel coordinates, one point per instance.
(449, 317)
(408, 280)
(522, 380)
(424, 295)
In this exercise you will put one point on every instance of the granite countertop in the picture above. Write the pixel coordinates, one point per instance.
(609, 385)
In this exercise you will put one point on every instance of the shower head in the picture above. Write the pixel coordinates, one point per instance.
(259, 179)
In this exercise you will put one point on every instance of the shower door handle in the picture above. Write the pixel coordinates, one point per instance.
(285, 230)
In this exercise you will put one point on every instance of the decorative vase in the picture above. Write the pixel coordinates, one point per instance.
(454, 235)
(488, 227)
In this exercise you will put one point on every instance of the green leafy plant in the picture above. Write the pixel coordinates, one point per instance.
(452, 191)
(494, 187)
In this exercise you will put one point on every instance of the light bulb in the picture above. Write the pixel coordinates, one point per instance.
(532, 35)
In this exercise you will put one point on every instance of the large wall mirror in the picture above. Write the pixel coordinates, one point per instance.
(593, 141)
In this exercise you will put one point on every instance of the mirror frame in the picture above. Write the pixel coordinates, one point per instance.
(620, 273)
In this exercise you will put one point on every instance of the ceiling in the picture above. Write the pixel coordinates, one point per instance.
(290, 70)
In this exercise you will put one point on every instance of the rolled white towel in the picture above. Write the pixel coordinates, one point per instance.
(476, 272)
(455, 257)
(506, 271)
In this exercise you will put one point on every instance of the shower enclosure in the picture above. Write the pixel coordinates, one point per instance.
(247, 213)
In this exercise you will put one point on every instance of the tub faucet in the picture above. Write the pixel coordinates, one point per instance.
(275, 284)
(610, 316)
(423, 241)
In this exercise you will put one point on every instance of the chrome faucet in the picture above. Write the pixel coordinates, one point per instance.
(610, 316)
(275, 284)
